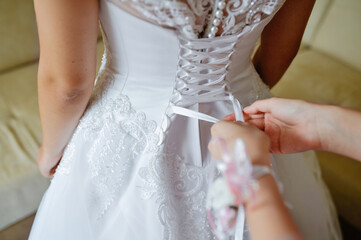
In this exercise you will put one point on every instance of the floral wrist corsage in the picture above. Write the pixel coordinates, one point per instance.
(233, 183)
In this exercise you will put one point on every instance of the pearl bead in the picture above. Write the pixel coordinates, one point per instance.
(214, 30)
(216, 22)
(221, 5)
(219, 14)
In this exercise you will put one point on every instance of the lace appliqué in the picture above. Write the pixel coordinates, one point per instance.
(193, 17)
(189, 17)
(178, 188)
(240, 14)
(260, 90)
(121, 134)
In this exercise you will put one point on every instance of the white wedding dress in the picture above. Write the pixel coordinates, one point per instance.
(137, 164)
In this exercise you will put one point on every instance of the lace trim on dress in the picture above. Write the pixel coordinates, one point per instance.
(121, 134)
(240, 14)
(193, 18)
(189, 17)
(178, 188)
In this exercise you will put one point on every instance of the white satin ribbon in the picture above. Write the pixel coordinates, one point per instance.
(237, 108)
(241, 219)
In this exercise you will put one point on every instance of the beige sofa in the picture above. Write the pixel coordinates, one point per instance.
(21, 185)
(327, 70)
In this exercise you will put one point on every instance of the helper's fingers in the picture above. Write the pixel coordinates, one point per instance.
(230, 117)
(260, 106)
(258, 122)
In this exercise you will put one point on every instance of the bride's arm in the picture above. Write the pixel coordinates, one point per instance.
(67, 65)
(281, 39)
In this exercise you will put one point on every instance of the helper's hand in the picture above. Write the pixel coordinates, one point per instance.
(291, 125)
(257, 143)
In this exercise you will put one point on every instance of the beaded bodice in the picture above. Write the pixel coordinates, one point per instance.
(195, 18)
(211, 42)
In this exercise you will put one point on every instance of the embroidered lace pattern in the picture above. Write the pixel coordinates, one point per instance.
(189, 17)
(192, 17)
(260, 91)
(121, 134)
(243, 13)
(179, 190)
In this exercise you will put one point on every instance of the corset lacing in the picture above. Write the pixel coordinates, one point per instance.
(201, 76)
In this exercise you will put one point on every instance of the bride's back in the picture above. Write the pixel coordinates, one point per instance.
(138, 163)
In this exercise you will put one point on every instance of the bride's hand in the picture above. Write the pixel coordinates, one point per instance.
(291, 125)
(257, 143)
(46, 160)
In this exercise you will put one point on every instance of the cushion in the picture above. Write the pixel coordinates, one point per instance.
(318, 12)
(339, 33)
(21, 185)
(19, 37)
(319, 78)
